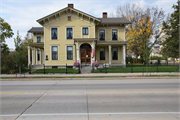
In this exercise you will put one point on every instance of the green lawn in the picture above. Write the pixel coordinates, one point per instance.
(139, 69)
(57, 70)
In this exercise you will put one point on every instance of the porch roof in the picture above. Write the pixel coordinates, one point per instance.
(112, 43)
(84, 39)
(36, 45)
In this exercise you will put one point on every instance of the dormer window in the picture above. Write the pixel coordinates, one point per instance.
(38, 39)
(114, 34)
(54, 33)
(102, 35)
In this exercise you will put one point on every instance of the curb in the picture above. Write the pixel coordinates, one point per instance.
(118, 78)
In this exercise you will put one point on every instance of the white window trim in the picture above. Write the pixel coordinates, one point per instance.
(105, 34)
(105, 53)
(66, 51)
(112, 53)
(72, 32)
(85, 27)
(38, 36)
(57, 32)
(51, 52)
(117, 34)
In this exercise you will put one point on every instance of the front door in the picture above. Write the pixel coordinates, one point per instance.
(85, 55)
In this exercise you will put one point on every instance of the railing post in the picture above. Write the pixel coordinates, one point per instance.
(143, 68)
(131, 68)
(16, 70)
(8, 68)
(105, 68)
(29, 68)
(44, 69)
(157, 67)
(79, 68)
(66, 68)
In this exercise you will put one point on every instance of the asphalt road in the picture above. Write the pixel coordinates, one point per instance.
(149, 99)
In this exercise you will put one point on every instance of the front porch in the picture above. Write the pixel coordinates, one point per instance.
(36, 55)
(113, 53)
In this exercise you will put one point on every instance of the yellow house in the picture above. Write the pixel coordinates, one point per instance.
(70, 35)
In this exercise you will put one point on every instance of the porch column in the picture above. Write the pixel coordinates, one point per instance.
(124, 54)
(40, 56)
(36, 55)
(43, 59)
(109, 54)
(33, 56)
(29, 61)
(93, 46)
(77, 49)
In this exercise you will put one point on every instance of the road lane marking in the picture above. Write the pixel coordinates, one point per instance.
(106, 92)
(13, 92)
(123, 113)
(96, 92)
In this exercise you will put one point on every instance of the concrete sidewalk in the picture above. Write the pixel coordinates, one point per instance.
(88, 75)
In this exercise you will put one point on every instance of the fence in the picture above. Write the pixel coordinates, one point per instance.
(140, 68)
(14, 70)
(42, 69)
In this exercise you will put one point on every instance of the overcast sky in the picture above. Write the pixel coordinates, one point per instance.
(22, 14)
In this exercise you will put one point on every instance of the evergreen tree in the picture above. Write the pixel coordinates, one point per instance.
(171, 29)
(18, 56)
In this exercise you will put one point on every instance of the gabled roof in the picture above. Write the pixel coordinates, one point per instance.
(64, 9)
(114, 21)
(36, 29)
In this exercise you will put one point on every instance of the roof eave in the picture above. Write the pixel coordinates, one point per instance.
(46, 17)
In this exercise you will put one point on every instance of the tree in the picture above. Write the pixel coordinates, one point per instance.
(134, 38)
(5, 31)
(19, 57)
(135, 14)
(27, 39)
(171, 29)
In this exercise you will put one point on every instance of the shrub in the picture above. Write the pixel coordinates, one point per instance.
(12, 71)
(96, 64)
(157, 58)
(76, 64)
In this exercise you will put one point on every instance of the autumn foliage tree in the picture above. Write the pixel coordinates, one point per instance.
(134, 35)
(144, 22)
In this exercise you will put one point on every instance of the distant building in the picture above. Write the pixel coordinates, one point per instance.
(11, 51)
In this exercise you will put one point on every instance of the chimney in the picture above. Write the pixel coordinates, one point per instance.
(71, 5)
(104, 14)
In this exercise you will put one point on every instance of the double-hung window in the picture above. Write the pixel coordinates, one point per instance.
(38, 39)
(38, 55)
(102, 53)
(69, 33)
(114, 34)
(85, 30)
(69, 52)
(114, 53)
(54, 50)
(54, 33)
(102, 35)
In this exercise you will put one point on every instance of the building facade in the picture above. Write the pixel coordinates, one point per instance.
(70, 35)
(160, 36)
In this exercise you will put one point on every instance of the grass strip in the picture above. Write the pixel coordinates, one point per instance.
(96, 76)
